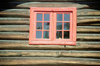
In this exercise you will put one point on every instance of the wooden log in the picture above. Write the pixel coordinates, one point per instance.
(22, 28)
(24, 21)
(14, 35)
(88, 36)
(46, 60)
(25, 28)
(23, 44)
(88, 29)
(84, 12)
(49, 53)
(14, 12)
(19, 21)
(88, 19)
(25, 12)
(50, 4)
(25, 35)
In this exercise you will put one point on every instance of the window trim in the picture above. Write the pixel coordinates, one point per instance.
(33, 41)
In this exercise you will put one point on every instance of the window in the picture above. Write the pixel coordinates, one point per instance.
(52, 26)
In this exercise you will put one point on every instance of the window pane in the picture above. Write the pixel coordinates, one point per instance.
(38, 34)
(59, 17)
(66, 26)
(39, 17)
(59, 26)
(59, 34)
(46, 34)
(46, 26)
(38, 25)
(66, 17)
(46, 17)
(66, 34)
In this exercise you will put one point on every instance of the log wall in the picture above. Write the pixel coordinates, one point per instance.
(14, 35)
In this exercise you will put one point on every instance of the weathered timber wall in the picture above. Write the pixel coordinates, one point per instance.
(14, 35)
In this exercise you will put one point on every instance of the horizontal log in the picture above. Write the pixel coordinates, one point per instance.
(14, 28)
(26, 28)
(14, 35)
(92, 20)
(15, 21)
(14, 12)
(84, 12)
(47, 60)
(88, 36)
(88, 29)
(87, 19)
(25, 12)
(23, 44)
(48, 53)
(25, 35)
(50, 4)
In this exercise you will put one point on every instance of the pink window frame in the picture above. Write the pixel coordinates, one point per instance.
(52, 37)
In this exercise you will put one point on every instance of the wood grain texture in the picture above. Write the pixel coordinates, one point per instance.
(25, 35)
(25, 12)
(19, 28)
(49, 53)
(84, 20)
(88, 12)
(88, 19)
(14, 35)
(23, 44)
(18, 21)
(47, 60)
(88, 29)
(25, 28)
(14, 12)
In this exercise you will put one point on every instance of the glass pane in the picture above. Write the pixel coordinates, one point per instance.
(38, 34)
(39, 17)
(66, 17)
(66, 34)
(46, 26)
(59, 17)
(46, 17)
(46, 34)
(59, 26)
(59, 34)
(38, 25)
(66, 26)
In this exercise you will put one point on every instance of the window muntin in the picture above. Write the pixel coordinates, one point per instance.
(67, 32)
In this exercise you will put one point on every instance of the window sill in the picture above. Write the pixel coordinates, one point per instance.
(52, 43)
